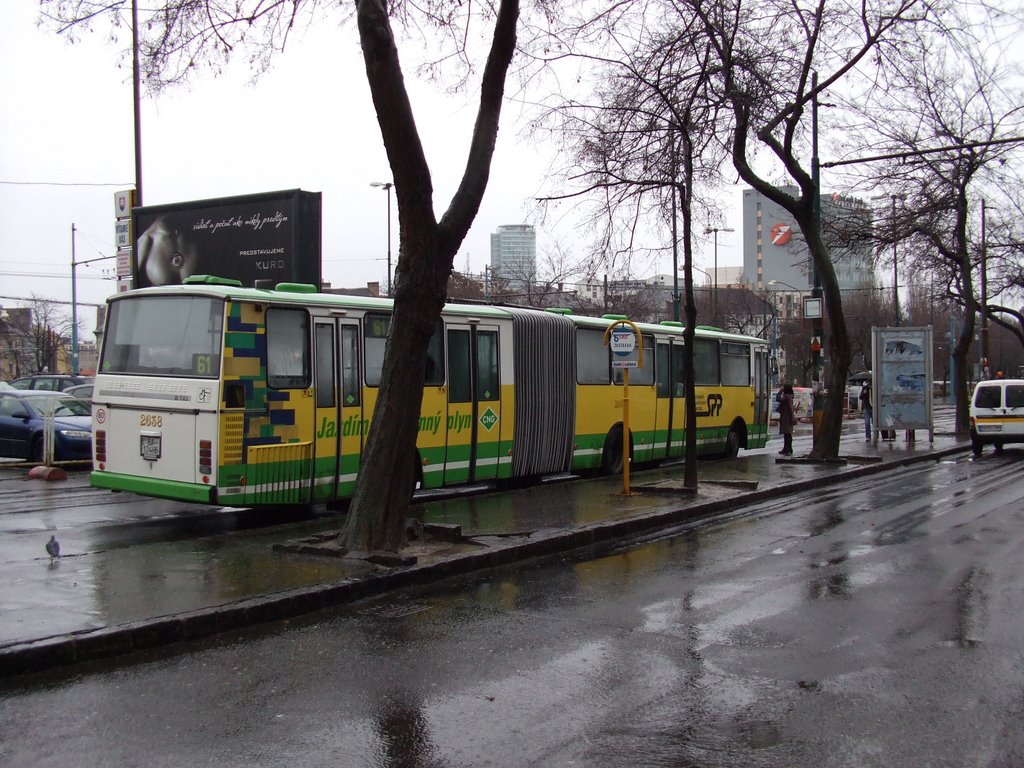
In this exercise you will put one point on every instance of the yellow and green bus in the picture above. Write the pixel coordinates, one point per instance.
(215, 393)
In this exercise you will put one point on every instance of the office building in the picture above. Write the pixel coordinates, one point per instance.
(774, 248)
(514, 253)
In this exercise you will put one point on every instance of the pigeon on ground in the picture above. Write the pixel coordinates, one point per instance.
(53, 547)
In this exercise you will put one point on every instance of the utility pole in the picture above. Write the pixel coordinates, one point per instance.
(137, 110)
(714, 290)
(984, 296)
(676, 314)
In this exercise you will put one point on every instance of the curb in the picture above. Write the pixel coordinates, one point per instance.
(21, 658)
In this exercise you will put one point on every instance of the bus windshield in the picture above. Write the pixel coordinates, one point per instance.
(164, 336)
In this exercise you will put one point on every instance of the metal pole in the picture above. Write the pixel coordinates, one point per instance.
(984, 296)
(675, 254)
(816, 290)
(136, 90)
(775, 346)
(74, 309)
(388, 188)
(895, 273)
(714, 291)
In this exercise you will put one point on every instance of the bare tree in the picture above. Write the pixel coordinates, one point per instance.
(17, 346)
(49, 335)
(643, 143)
(548, 283)
(775, 60)
(943, 119)
(182, 35)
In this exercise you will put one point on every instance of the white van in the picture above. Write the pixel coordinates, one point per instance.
(997, 414)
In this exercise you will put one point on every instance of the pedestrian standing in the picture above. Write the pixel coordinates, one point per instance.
(785, 399)
(865, 404)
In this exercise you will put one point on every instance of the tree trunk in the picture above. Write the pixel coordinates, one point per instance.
(690, 479)
(388, 464)
(427, 251)
(830, 429)
(961, 393)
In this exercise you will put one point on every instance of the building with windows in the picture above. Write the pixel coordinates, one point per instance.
(775, 255)
(514, 254)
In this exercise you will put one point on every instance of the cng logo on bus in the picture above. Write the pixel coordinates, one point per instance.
(488, 418)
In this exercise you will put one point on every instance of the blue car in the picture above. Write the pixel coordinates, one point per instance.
(22, 415)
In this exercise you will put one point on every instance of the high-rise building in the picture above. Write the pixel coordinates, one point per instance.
(514, 253)
(774, 248)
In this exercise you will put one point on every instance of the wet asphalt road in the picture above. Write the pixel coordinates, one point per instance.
(873, 623)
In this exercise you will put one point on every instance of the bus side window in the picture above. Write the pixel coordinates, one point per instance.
(234, 394)
(735, 365)
(679, 369)
(435, 358)
(705, 362)
(324, 365)
(488, 376)
(593, 361)
(288, 348)
(351, 390)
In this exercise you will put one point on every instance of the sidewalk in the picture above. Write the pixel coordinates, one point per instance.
(116, 597)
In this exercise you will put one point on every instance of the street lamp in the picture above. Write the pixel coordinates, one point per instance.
(780, 282)
(714, 291)
(386, 186)
(793, 288)
(895, 272)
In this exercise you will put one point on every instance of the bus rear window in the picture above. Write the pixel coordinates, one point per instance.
(164, 336)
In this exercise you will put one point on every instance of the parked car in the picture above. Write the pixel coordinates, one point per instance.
(997, 414)
(51, 382)
(22, 418)
(81, 391)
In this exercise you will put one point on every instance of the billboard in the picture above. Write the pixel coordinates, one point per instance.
(272, 237)
(902, 363)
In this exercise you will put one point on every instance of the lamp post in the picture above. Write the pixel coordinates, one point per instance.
(773, 361)
(74, 308)
(714, 290)
(386, 186)
(895, 272)
(793, 288)
(775, 313)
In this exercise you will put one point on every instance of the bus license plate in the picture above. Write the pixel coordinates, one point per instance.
(150, 447)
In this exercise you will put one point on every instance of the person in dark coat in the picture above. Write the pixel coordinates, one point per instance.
(786, 419)
(865, 404)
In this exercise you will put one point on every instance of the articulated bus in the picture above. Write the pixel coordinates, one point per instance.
(211, 392)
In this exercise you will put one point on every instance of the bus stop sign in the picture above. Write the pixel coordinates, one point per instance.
(623, 344)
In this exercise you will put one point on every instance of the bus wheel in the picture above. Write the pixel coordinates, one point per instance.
(732, 443)
(611, 456)
(976, 446)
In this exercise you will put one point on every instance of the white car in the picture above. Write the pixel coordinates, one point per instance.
(997, 414)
